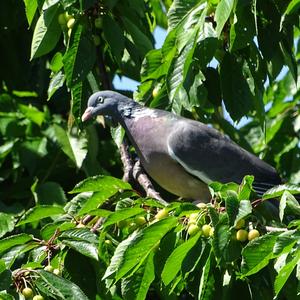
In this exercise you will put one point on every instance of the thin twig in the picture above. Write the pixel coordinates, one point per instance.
(87, 219)
(97, 224)
(126, 160)
(142, 178)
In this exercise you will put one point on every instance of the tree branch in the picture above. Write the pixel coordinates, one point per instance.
(135, 174)
(142, 178)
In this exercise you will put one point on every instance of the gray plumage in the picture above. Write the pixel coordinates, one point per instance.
(181, 155)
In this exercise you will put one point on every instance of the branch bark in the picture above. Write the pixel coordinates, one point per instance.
(135, 174)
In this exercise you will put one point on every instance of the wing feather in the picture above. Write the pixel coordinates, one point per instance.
(211, 156)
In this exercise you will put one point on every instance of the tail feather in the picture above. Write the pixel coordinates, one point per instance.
(261, 187)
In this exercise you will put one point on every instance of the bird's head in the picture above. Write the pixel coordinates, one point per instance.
(104, 103)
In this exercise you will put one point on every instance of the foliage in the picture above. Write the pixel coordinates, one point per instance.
(232, 64)
(140, 252)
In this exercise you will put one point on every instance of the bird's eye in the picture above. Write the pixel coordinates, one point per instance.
(100, 99)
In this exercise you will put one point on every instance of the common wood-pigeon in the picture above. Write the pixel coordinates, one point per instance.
(183, 156)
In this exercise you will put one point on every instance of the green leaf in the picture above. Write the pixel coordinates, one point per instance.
(30, 8)
(5, 149)
(141, 41)
(213, 214)
(40, 212)
(282, 204)
(207, 281)
(245, 209)
(257, 254)
(5, 280)
(292, 7)
(114, 36)
(175, 260)
(14, 240)
(4, 295)
(56, 82)
(131, 253)
(46, 33)
(290, 59)
(178, 10)
(74, 146)
(221, 240)
(80, 56)
(122, 214)
(78, 95)
(10, 256)
(223, 12)
(285, 242)
(7, 223)
(85, 248)
(243, 29)
(245, 188)
(99, 183)
(56, 63)
(153, 66)
(277, 191)
(292, 204)
(58, 287)
(50, 193)
(236, 92)
(50, 228)
(136, 286)
(117, 134)
(80, 234)
(96, 200)
(232, 206)
(118, 257)
(32, 113)
(2, 265)
(286, 271)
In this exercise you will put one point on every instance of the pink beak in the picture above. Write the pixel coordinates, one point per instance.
(87, 114)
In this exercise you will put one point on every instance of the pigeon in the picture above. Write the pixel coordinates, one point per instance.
(181, 155)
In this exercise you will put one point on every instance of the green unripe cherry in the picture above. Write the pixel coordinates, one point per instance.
(155, 91)
(140, 220)
(201, 205)
(193, 229)
(123, 223)
(56, 272)
(38, 297)
(242, 235)
(27, 292)
(62, 19)
(206, 230)
(49, 268)
(253, 234)
(163, 213)
(193, 218)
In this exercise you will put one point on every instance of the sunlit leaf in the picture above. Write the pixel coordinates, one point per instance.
(285, 272)
(14, 240)
(174, 261)
(257, 254)
(40, 212)
(58, 287)
(46, 33)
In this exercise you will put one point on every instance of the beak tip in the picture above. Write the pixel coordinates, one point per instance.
(87, 114)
